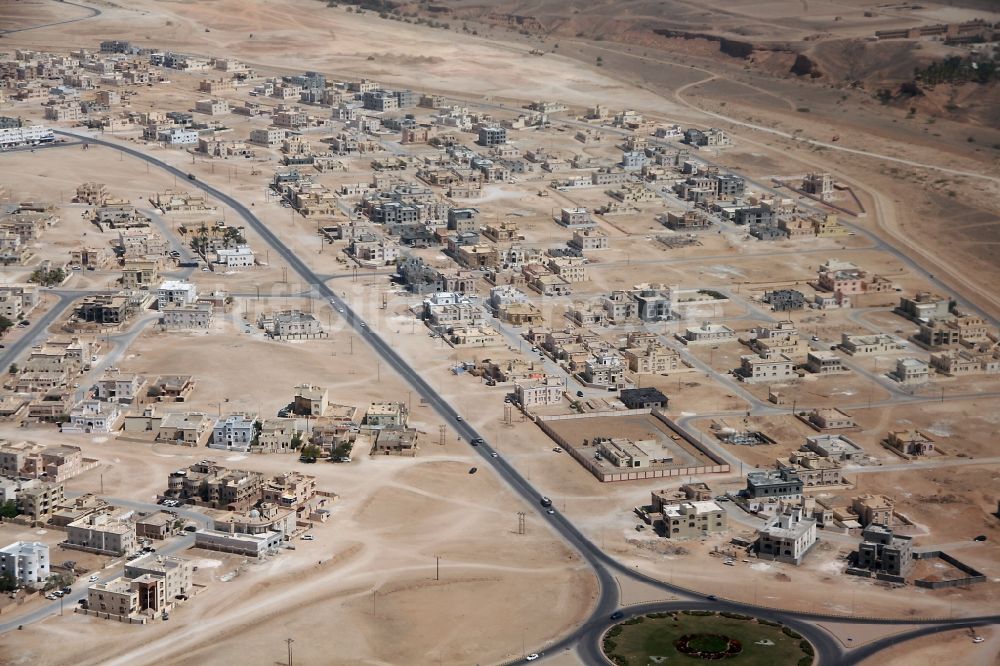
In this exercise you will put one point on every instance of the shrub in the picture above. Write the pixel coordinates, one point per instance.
(768, 623)
(734, 616)
(805, 661)
(807, 647)
(609, 645)
(615, 631)
(791, 633)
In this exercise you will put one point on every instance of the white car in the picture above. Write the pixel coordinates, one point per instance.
(531, 657)
(308, 537)
(94, 578)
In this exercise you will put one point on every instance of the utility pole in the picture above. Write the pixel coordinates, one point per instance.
(442, 429)
(288, 642)
(521, 522)
(437, 567)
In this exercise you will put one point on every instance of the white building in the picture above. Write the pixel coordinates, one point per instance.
(177, 136)
(238, 257)
(233, 433)
(26, 561)
(249, 545)
(19, 136)
(175, 292)
(92, 416)
(787, 536)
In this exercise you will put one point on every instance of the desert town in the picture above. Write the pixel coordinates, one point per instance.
(279, 341)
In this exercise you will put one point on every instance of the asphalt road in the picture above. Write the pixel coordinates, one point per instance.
(38, 329)
(68, 603)
(605, 568)
(92, 13)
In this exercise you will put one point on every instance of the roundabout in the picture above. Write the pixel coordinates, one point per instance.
(690, 636)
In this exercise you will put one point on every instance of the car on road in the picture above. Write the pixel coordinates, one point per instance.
(550, 511)
(191, 176)
(94, 578)
(531, 657)
(617, 615)
(308, 537)
(477, 441)
(712, 597)
(546, 501)
(494, 454)
(458, 417)
(557, 449)
(473, 470)
(341, 310)
(364, 325)
(190, 528)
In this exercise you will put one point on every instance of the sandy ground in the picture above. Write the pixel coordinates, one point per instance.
(395, 516)
(954, 646)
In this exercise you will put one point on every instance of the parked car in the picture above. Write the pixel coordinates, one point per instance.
(308, 537)
(473, 470)
(531, 657)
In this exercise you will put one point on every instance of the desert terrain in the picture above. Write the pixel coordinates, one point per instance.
(367, 589)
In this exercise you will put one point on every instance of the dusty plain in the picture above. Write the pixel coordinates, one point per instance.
(368, 581)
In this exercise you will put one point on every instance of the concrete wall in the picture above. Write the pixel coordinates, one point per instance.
(973, 575)
(719, 466)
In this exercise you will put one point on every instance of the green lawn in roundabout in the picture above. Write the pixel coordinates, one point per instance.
(689, 637)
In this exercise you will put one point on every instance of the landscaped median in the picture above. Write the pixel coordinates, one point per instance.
(693, 636)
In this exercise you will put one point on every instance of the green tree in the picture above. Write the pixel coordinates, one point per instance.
(310, 452)
(7, 582)
(296, 440)
(5, 324)
(12, 369)
(56, 581)
(8, 509)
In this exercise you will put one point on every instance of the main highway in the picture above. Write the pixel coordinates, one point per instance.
(585, 638)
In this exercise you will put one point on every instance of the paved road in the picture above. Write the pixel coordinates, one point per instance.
(92, 12)
(604, 567)
(70, 601)
(38, 329)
